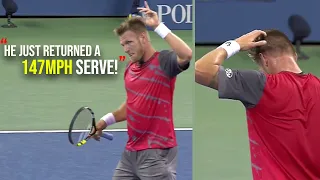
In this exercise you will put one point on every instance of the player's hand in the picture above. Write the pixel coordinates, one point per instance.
(248, 41)
(97, 135)
(151, 17)
(101, 125)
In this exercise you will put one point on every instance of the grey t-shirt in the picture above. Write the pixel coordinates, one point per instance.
(244, 85)
(169, 63)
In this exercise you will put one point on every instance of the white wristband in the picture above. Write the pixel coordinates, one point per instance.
(109, 119)
(162, 30)
(232, 47)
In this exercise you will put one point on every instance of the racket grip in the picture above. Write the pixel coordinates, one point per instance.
(107, 136)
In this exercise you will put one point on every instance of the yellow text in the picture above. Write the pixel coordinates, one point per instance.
(47, 67)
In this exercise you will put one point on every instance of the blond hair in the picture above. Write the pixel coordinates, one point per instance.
(277, 43)
(134, 24)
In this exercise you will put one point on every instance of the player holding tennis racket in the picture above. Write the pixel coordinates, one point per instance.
(83, 127)
(150, 78)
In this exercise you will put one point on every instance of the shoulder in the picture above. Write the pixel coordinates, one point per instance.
(241, 76)
(166, 56)
(168, 61)
(284, 84)
(127, 67)
(284, 78)
(246, 86)
(165, 53)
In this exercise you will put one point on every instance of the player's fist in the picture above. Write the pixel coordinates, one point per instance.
(101, 125)
(151, 17)
(97, 135)
(251, 40)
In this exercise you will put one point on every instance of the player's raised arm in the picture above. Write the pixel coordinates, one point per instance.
(244, 85)
(181, 49)
(207, 67)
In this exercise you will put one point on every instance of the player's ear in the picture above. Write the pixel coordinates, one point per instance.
(296, 56)
(141, 37)
(144, 37)
(264, 60)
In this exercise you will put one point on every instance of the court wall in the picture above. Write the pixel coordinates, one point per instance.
(220, 20)
(177, 14)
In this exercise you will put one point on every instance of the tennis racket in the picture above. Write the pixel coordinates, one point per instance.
(83, 126)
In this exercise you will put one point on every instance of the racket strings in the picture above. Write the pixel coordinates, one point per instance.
(82, 127)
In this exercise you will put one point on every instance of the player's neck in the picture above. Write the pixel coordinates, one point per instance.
(289, 64)
(149, 52)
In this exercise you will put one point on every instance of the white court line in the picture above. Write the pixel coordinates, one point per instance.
(65, 131)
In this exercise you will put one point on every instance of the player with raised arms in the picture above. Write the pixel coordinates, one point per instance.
(282, 104)
(149, 78)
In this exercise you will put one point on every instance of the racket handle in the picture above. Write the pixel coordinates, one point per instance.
(107, 136)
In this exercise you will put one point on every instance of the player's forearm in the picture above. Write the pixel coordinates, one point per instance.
(207, 67)
(118, 115)
(183, 51)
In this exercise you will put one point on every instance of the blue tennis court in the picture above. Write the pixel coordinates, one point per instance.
(49, 156)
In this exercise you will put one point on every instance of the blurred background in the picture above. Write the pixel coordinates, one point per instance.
(221, 145)
(36, 110)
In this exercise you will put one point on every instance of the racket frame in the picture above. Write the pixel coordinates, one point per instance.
(93, 128)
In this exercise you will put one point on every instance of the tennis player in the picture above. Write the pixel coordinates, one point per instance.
(151, 149)
(282, 104)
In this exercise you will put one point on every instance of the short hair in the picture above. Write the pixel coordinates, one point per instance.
(135, 24)
(277, 42)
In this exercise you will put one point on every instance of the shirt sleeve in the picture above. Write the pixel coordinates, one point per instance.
(169, 63)
(244, 85)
